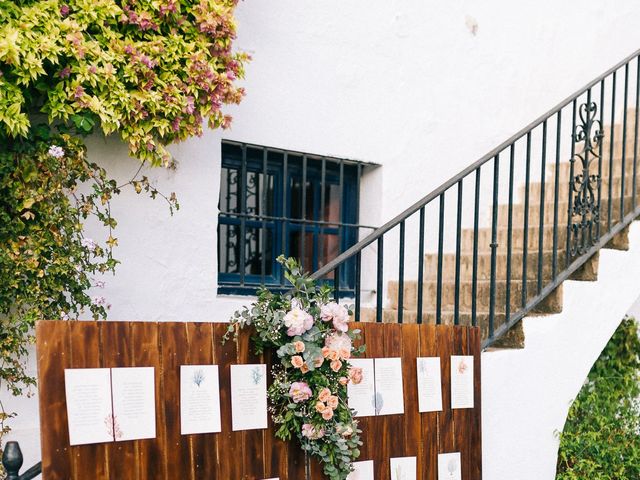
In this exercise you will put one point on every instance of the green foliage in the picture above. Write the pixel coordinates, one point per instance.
(308, 334)
(151, 70)
(601, 438)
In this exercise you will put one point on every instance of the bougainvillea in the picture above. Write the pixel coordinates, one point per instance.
(153, 72)
(309, 334)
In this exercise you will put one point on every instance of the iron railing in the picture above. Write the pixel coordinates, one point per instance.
(12, 461)
(579, 203)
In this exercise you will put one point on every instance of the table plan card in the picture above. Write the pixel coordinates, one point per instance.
(362, 471)
(248, 397)
(429, 384)
(362, 396)
(88, 393)
(134, 403)
(449, 467)
(199, 399)
(461, 381)
(403, 468)
(388, 386)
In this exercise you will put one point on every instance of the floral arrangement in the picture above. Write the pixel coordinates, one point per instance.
(310, 336)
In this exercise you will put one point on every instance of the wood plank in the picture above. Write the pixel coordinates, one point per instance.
(429, 420)
(146, 347)
(86, 352)
(53, 343)
(173, 340)
(376, 435)
(446, 437)
(275, 451)
(252, 441)
(203, 446)
(394, 438)
(412, 428)
(117, 351)
(461, 416)
(230, 445)
(475, 434)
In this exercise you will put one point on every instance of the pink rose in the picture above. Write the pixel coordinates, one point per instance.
(336, 365)
(320, 407)
(304, 368)
(318, 361)
(299, 346)
(297, 361)
(344, 353)
(332, 401)
(325, 351)
(300, 392)
(355, 375)
(324, 394)
(311, 432)
(297, 322)
(343, 381)
(327, 414)
(339, 342)
(336, 313)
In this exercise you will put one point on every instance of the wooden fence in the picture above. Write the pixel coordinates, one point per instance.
(254, 454)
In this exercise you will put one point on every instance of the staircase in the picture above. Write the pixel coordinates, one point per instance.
(512, 262)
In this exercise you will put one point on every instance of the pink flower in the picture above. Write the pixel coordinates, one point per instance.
(338, 345)
(332, 401)
(311, 432)
(355, 375)
(324, 394)
(343, 380)
(304, 368)
(64, 10)
(297, 361)
(320, 407)
(298, 321)
(336, 313)
(300, 392)
(318, 361)
(327, 414)
(299, 346)
(336, 365)
(65, 72)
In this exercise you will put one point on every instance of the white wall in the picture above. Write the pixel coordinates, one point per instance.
(404, 84)
(526, 393)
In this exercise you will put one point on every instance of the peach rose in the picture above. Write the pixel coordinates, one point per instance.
(299, 346)
(343, 381)
(297, 361)
(324, 394)
(325, 351)
(320, 407)
(318, 361)
(344, 353)
(304, 368)
(355, 375)
(327, 414)
(333, 355)
(332, 401)
(336, 365)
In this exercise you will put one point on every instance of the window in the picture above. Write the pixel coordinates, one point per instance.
(276, 202)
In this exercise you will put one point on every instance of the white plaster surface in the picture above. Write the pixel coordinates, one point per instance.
(526, 393)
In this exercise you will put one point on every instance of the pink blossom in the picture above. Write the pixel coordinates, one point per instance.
(298, 321)
(64, 10)
(300, 392)
(310, 432)
(336, 313)
(339, 343)
(65, 72)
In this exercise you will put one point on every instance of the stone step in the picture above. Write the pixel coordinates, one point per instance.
(484, 265)
(429, 291)
(564, 168)
(518, 210)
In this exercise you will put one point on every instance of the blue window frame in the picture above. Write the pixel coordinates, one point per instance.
(276, 202)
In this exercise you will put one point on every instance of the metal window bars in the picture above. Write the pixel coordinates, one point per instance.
(499, 262)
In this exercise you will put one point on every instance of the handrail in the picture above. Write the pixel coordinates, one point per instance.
(12, 461)
(373, 236)
(543, 264)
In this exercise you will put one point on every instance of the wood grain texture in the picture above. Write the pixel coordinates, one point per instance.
(247, 455)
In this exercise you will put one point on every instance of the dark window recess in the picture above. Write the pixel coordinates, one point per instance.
(276, 202)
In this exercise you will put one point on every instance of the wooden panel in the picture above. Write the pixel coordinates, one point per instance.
(429, 420)
(248, 455)
(411, 418)
(52, 347)
(85, 352)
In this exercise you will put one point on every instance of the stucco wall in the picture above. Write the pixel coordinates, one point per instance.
(421, 88)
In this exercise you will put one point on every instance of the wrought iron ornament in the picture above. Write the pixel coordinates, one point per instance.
(584, 186)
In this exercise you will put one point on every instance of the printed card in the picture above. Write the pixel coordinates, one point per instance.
(461, 381)
(388, 386)
(403, 468)
(449, 467)
(134, 403)
(199, 399)
(248, 397)
(429, 384)
(362, 396)
(362, 471)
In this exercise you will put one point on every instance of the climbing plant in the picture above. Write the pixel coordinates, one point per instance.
(152, 72)
(601, 438)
